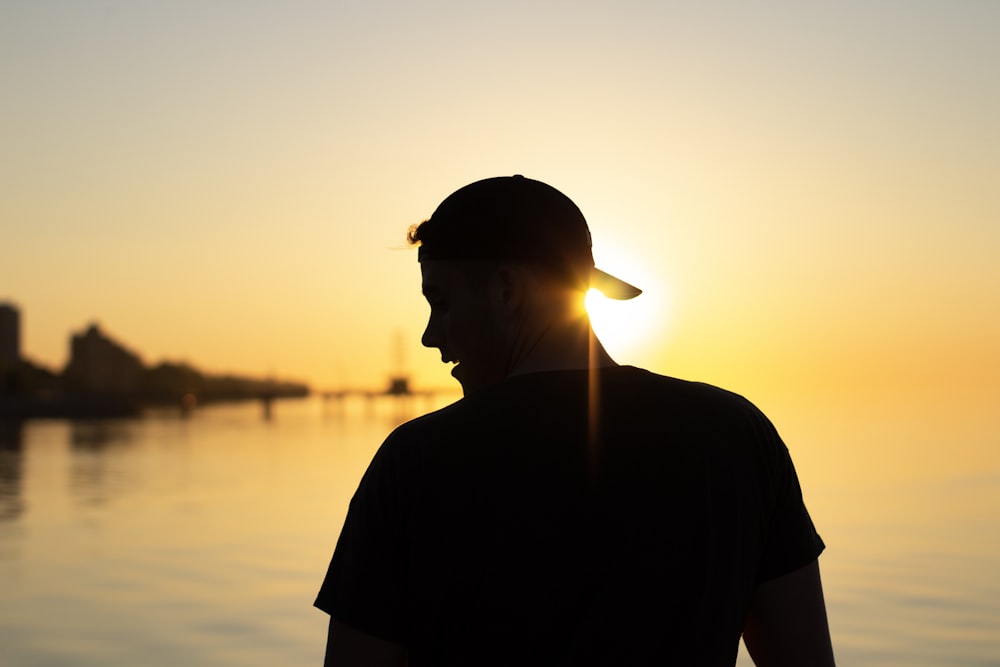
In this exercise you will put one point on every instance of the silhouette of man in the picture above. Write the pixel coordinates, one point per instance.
(567, 510)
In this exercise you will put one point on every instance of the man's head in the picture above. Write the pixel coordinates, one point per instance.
(513, 218)
(503, 262)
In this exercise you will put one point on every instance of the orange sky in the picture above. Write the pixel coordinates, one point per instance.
(806, 192)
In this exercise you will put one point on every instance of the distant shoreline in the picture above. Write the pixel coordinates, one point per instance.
(16, 408)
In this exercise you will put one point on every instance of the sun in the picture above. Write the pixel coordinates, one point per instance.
(624, 327)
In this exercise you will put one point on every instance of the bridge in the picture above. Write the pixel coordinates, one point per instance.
(399, 387)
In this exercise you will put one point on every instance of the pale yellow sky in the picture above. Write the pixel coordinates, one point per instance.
(806, 191)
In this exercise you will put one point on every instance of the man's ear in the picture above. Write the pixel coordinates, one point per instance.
(508, 290)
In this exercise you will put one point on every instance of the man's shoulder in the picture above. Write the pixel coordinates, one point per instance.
(444, 422)
(533, 396)
(427, 422)
(645, 387)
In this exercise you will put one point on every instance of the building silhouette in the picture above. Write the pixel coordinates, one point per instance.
(10, 335)
(103, 378)
(99, 365)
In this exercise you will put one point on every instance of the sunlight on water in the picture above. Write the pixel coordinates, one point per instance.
(202, 541)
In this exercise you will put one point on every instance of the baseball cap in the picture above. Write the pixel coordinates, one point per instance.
(516, 218)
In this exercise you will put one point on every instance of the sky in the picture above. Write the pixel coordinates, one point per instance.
(806, 191)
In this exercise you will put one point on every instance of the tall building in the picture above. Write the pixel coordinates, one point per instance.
(10, 335)
(99, 364)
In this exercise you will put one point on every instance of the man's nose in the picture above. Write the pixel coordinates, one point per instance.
(430, 338)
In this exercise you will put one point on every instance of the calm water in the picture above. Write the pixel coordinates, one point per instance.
(201, 541)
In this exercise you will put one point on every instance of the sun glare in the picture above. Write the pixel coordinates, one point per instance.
(622, 326)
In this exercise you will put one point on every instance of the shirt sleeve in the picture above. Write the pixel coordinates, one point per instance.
(791, 540)
(365, 583)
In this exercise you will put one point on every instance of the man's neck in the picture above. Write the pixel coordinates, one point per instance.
(573, 346)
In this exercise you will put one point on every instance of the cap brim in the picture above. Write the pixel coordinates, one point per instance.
(611, 287)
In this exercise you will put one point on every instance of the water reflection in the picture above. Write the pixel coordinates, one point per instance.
(11, 469)
(96, 474)
(98, 434)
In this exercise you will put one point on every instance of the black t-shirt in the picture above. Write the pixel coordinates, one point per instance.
(570, 518)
